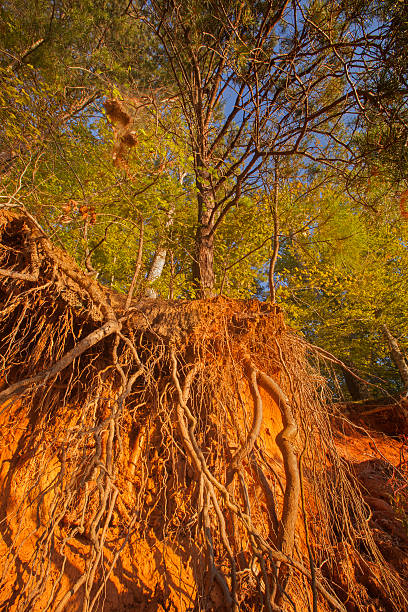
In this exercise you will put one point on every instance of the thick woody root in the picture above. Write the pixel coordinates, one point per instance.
(170, 431)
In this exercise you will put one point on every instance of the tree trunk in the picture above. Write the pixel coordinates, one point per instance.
(397, 357)
(352, 385)
(155, 271)
(203, 266)
(275, 251)
(159, 259)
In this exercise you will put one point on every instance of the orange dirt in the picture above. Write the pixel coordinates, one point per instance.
(136, 474)
(152, 574)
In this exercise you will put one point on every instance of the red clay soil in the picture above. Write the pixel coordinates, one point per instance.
(153, 575)
(146, 457)
(380, 462)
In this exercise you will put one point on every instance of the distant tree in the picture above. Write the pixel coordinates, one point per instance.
(75, 53)
(344, 278)
(382, 135)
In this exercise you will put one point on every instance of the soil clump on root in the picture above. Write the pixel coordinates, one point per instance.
(167, 456)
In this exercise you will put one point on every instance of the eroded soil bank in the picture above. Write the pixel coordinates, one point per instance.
(176, 455)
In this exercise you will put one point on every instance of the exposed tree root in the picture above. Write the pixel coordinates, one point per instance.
(93, 338)
(165, 431)
(285, 440)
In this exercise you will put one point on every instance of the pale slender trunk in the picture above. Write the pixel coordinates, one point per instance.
(112, 280)
(156, 270)
(159, 259)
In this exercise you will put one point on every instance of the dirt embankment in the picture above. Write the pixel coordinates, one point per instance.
(174, 455)
(373, 441)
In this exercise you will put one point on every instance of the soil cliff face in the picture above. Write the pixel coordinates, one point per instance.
(170, 455)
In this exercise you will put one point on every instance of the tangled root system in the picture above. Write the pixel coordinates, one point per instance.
(168, 456)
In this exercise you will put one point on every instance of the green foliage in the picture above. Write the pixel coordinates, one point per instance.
(75, 45)
(343, 278)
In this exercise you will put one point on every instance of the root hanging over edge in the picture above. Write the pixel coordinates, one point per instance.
(151, 453)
